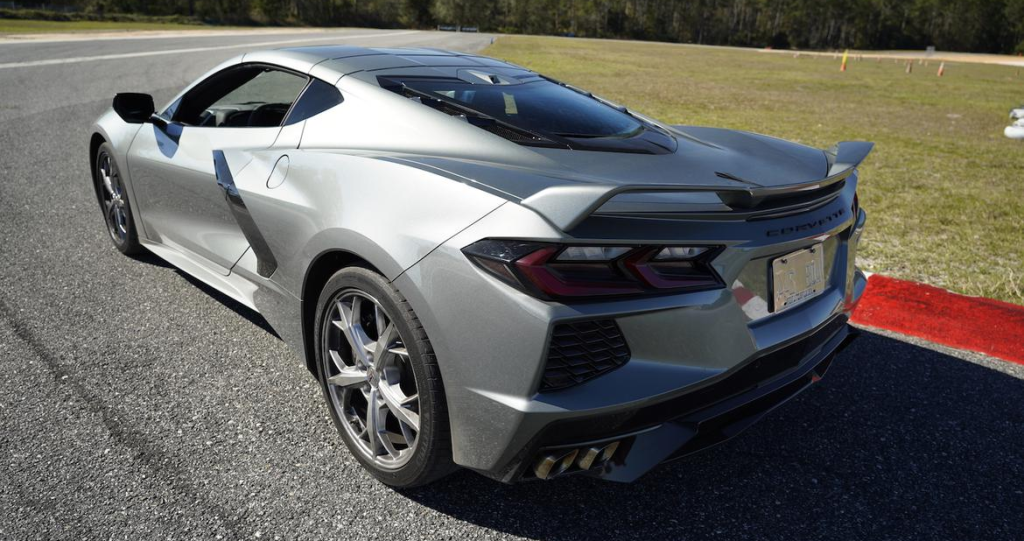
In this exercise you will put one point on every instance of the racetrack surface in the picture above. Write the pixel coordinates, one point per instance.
(136, 403)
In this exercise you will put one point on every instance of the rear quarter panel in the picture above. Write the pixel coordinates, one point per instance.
(388, 213)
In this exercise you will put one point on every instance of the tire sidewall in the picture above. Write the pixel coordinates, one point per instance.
(377, 287)
(130, 244)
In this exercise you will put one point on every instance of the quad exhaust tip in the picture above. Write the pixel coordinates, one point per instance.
(553, 464)
(597, 455)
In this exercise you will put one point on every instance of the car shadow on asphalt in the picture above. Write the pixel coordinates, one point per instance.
(249, 314)
(897, 442)
(150, 258)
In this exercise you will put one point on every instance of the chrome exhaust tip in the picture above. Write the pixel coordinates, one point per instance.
(597, 455)
(557, 462)
(609, 451)
(550, 465)
(588, 457)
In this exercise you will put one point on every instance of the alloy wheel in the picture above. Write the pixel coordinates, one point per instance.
(115, 204)
(370, 379)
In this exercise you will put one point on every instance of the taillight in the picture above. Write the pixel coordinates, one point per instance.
(558, 271)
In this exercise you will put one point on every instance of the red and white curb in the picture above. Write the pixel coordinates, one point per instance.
(978, 324)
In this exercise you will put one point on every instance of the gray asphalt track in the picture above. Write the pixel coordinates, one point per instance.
(136, 403)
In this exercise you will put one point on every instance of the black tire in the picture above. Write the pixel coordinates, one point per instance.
(113, 200)
(431, 458)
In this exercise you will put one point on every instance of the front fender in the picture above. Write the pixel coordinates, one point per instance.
(119, 134)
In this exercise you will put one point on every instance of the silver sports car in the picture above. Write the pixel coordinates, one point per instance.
(488, 268)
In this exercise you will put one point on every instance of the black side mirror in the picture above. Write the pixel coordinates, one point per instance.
(134, 108)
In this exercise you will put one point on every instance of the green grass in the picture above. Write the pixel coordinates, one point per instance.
(23, 26)
(944, 189)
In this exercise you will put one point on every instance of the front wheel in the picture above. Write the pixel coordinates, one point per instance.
(117, 213)
(381, 381)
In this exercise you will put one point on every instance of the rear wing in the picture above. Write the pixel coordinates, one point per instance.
(566, 206)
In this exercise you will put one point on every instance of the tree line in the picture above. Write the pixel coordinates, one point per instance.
(951, 25)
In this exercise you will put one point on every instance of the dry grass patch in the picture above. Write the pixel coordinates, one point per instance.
(944, 189)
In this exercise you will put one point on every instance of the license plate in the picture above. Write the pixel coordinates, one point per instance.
(798, 277)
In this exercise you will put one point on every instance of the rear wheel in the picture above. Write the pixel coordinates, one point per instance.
(117, 212)
(381, 381)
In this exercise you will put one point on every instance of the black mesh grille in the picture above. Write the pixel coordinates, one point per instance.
(582, 351)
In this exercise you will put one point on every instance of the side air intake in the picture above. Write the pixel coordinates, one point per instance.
(582, 351)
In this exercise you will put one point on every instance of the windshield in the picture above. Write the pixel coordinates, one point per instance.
(539, 106)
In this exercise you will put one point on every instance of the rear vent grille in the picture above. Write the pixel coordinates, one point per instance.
(582, 351)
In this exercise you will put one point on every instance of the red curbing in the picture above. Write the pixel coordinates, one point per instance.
(973, 323)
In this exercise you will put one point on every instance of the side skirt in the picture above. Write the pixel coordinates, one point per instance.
(232, 285)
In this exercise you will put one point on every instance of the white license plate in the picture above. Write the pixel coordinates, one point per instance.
(798, 277)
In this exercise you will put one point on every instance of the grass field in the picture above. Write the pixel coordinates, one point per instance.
(23, 26)
(944, 188)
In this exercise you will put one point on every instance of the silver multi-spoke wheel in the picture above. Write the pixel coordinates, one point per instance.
(113, 198)
(381, 379)
(370, 379)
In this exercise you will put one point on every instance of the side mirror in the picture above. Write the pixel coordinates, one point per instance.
(134, 108)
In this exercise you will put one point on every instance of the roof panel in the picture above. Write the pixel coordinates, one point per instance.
(419, 51)
(325, 52)
(363, 63)
(330, 62)
(294, 60)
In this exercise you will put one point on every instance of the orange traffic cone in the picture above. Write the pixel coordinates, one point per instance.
(845, 58)
(942, 69)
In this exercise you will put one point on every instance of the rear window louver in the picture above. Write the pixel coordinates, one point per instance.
(515, 136)
(507, 132)
(488, 124)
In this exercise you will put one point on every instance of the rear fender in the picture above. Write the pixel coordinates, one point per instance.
(300, 204)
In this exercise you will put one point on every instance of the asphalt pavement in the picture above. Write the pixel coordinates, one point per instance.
(136, 403)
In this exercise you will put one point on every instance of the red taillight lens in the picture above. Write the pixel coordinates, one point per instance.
(665, 273)
(557, 271)
(576, 279)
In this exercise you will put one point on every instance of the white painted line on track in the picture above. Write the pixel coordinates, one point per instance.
(78, 59)
(126, 35)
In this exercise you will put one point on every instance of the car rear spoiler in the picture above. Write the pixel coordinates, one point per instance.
(566, 206)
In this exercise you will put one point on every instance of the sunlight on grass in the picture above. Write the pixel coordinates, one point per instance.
(944, 190)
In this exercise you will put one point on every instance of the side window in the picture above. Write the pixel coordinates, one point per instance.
(251, 96)
(318, 97)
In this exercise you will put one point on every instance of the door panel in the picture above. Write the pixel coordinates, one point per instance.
(242, 107)
(180, 203)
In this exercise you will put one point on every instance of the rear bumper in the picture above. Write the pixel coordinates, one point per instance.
(492, 341)
(694, 421)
